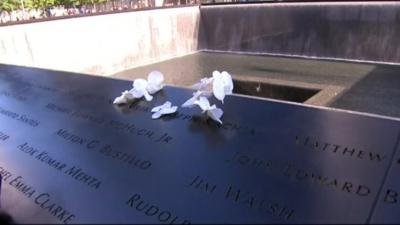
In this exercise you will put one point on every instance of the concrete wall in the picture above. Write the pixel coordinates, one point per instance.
(107, 44)
(104, 44)
(356, 30)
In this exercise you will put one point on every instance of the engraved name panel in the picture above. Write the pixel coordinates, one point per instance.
(89, 161)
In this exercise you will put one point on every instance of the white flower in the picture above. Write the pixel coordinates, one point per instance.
(212, 111)
(205, 84)
(155, 81)
(196, 95)
(142, 87)
(124, 98)
(222, 85)
(163, 110)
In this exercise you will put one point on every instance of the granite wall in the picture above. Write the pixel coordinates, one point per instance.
(367, 31)
(102, 44)
(107, 44)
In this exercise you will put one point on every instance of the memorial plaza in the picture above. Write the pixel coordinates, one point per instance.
(186, 112)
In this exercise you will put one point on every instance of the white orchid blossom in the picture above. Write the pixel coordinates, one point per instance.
(124, 98)
(219, 85)
(163, 109)
(205, 84)
(190, 102)
(196, 95)
(222, 85)
(212, 111)
(142, 87)
(155, 81)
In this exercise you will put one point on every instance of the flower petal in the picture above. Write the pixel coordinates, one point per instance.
(215, 114)
(155, 80)
(128, 95)
(124, 98)
(140, 84)
(222, 85)
(155, 77)
(228, 83)
(156, 115)
(204, 84)
(169, 110)
(120, 100)
(152, 89)
(163, 110)
(136, 93)
(147, 96)
(216, 73)
(190, 102)
(218, 88)
(167, 104)
(140, 89)
(203, 103)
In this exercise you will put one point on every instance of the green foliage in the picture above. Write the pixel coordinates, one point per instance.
(79, 2)
(69, 2)
(39, 4)
(9, 5)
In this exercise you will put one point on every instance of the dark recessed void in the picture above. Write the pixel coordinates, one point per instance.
(275, 91)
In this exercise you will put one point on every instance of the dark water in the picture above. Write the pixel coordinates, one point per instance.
(372, 88)
(186, 70)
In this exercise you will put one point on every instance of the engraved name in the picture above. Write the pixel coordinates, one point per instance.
(57, 108)
(87, 117)
(20, 185)
(55, 210)
(254, 202)
(151, 210)
(247, 161)
(227, 125)
(391, 196)
(3, 136)
(5, 174)
(79, 175)
(59, 212)
(76, 173)
(298, 174)
(21, 118)
(42, 156)
(340, 150)
(13, 96)
(88, 96)
(43, 200)
(105, 150)
(75, 114)
(71, 137)
(24, 84)
(121, 126)
(132, 129)
(242, 198)
(123, 157)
